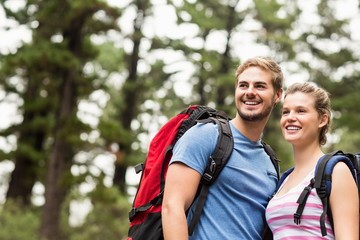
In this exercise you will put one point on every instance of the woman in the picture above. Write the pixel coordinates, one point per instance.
(304, 123)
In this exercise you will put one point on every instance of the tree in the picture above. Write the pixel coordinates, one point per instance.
(132, 89)
(323, 52)
(213, 78)
(127, 105)
(52, 70)
(79, 23)
(334, 67)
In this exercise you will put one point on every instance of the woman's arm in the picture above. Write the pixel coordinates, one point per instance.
(344, 202)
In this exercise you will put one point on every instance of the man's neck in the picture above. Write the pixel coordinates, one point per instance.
(250, 129)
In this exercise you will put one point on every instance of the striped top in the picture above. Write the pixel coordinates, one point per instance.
(280, 215)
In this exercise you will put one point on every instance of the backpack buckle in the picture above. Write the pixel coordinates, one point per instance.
(139, 167)
(297, 218)
(132, 214)
(207, 177)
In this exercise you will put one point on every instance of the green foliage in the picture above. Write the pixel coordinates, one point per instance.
(350, 140)
(111, 130)
(107, 219)
(110, 57)
(18, 222)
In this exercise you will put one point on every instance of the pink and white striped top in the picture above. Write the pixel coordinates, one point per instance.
(280, 215)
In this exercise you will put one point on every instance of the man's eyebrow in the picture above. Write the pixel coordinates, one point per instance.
(257, 82)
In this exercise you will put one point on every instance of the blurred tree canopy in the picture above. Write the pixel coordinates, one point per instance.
(98, 78)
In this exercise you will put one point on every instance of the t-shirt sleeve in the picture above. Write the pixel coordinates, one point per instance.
(196, 146)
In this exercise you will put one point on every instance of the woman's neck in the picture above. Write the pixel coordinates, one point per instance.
(306, 157)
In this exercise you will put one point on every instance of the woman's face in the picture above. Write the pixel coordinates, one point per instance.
(300, 122)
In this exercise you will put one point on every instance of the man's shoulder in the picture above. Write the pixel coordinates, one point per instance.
(203, 130)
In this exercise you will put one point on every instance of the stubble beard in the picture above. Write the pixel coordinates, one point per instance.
(256, 116)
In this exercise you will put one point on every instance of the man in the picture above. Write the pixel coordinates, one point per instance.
(236, 202)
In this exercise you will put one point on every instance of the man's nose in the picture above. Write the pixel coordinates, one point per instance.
(250, 90)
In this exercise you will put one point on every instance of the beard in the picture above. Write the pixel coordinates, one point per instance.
(257, 116)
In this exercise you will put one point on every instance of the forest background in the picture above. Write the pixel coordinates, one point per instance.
(84, 86)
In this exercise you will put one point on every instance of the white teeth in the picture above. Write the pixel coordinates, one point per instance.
(251, 103)
(292, 128)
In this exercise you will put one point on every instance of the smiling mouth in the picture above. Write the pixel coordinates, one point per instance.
(251, 103)
(292, 128)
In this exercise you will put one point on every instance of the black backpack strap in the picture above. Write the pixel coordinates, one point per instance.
(195, 113)
(216, 163)
(302, 201)
(267, 234)
(284, 176)
(356, 162)
(318, 182)
(199, 206)
(223, 150)
(155, 201)
(275, 161)
(322, 183)
(320, 186)
(323, 180)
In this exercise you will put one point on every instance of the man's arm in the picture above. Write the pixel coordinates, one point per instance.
(180, 188)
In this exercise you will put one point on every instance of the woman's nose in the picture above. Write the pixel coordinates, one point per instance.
(290, 116)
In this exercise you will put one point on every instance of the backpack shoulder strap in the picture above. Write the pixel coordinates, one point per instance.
(216, 163)
(267, 234)
(222, 152)
(275, 161)
(356, 163)
(284, 176)
(325, 167)
(323, 181)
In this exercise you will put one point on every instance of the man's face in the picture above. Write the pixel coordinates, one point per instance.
(255, 95)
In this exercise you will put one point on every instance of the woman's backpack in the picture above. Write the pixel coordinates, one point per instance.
(322, 183)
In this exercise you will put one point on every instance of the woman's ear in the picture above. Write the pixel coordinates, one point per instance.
(324, 119)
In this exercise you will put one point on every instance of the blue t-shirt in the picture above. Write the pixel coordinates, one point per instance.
(236, 202)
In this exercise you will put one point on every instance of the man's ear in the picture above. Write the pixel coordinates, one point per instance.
(279, 94)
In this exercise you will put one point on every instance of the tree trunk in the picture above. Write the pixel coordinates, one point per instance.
(59, 165)
(226, 59)
(132, 90)
(25, 173)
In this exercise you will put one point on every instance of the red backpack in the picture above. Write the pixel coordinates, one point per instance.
(145, 215)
